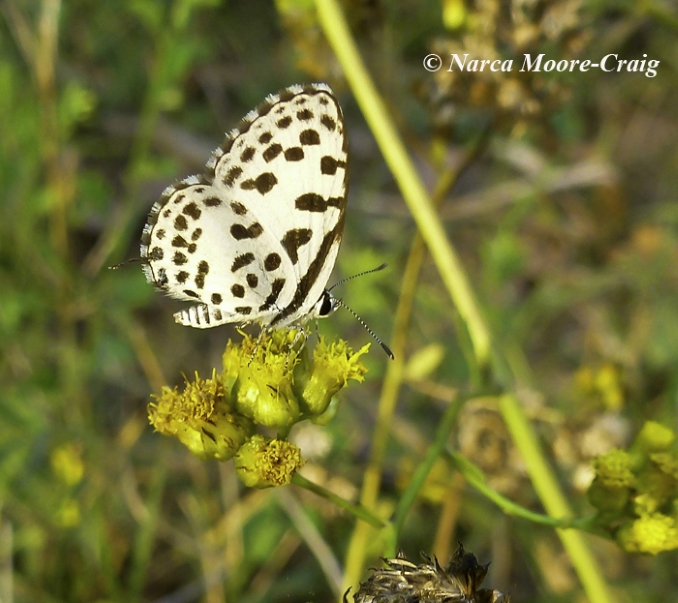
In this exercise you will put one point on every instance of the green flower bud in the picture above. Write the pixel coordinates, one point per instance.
(609, 501)
(201, 418)
(262, 463)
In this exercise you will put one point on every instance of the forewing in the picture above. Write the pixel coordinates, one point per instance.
(289, 168)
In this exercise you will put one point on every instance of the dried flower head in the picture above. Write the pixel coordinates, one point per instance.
(495, 31)
(404, 582)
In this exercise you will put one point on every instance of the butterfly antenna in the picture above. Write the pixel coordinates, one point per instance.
(341, 303)
(350, 278)
(132, 261)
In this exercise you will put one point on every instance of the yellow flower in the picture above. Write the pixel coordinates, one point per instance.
(200, 416)
(652, 533)
(653, 437)
(262, 463)
(260, 374)
(613, 469)
(277, 386)
(333, 365)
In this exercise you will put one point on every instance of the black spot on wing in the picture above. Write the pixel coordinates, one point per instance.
(180, 223)
(238, 291)
(179, 258)
(244, 310)
(216, 299)
(305, 115)
(293, 240)
(272, 262)
(161, 279)
(156, 254)
(203, 269)
(232, 175)
(272, 152)
(310, 202)
(238, 208)
(315, 203)
(284, 122)
(239, 232)
(309, 138)
(182, 277)
(247, 154)
(294, 154)
(265, 138)
(213, 201)
(192, 211)
(242, 260)
(329, 165)
(328, 122)
(252, 280)
(263, 183)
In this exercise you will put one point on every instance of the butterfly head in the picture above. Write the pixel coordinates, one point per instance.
(326, 305)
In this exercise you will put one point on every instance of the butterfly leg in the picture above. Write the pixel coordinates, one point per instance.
(263, 333)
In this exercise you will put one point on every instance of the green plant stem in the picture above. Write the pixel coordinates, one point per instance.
(421, 473)
(145, 535)
(394, 373)
(454, 278)
(475, 478)
(357, 510)
(413, 190)
(552, 498)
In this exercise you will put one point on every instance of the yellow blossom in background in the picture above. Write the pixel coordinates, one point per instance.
(652, 534)
(200, 416)
(602, 384)
(263, 463)
(614, 469)
(68, 514)
(653, 437)
(67, 463)
(636, 492)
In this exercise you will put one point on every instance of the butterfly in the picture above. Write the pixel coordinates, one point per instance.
(255, 237)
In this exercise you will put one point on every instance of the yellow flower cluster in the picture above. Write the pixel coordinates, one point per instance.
(266, 381)
(636, 492)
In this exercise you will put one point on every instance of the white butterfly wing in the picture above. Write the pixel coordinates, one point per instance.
(256, 237)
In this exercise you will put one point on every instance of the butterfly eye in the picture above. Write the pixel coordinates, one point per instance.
(326, 304)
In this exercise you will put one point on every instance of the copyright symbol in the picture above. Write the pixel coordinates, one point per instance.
(432, 63)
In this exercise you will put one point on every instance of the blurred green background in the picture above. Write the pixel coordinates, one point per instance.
(557, 189)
